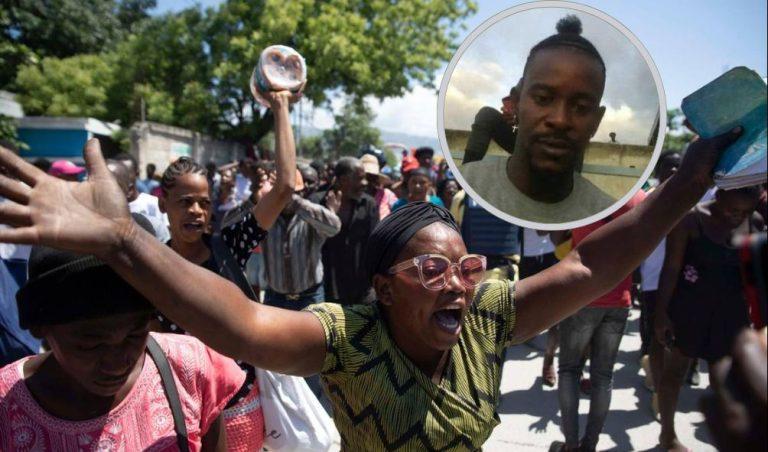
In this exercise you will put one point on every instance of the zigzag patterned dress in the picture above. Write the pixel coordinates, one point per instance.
(382, 401)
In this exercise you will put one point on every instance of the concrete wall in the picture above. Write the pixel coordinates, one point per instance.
(615, 168)
(615, 157)
(162, 144)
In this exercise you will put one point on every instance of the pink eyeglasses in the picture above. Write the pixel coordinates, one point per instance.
(434, 270)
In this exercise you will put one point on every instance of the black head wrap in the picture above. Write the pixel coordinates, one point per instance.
(393, 232)
(64, 287)
(568, 35)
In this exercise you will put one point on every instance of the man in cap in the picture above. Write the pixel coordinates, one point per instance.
(556, 111)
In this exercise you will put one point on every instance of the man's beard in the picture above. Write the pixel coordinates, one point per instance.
(545, 150)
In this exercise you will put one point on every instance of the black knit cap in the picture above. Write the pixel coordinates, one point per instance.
(568, 35)
(65, 287)
(391, 235)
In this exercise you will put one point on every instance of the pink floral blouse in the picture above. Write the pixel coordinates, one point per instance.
(205, 381)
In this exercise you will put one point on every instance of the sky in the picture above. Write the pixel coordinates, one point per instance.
(690, 41)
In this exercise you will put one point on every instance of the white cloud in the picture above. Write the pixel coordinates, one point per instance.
(415, 113)
(622, 122)
(472, 86)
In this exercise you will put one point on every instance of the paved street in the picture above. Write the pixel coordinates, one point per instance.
(530, 416)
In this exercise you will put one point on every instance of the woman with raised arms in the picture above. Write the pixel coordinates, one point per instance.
(420, 368)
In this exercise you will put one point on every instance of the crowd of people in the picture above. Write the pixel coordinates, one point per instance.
(139, 313)
(294, 236)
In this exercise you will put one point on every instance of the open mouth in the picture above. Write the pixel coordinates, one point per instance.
(449, 319)
(193, 226)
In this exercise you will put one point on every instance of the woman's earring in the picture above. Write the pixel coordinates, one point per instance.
(514, 124)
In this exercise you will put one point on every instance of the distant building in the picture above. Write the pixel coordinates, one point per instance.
(63, 138)
(57, 138)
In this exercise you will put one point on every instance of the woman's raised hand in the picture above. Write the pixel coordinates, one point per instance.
(89, 217)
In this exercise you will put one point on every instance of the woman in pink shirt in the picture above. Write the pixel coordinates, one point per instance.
(98, 388)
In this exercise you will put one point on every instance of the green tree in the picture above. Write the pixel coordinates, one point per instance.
(192, 68)
(132, 12)
(352, 130)
(355, 47)
(313, 147)
(63, 28)
(8, 133)
(74, 86)
(677, 136)
(167, 61)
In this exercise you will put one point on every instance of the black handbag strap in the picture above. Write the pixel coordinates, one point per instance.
(166, 375)
(228, 267)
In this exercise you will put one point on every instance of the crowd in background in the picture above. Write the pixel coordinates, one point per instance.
(689, 290)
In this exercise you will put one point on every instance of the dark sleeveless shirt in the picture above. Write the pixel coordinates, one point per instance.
(708, 308)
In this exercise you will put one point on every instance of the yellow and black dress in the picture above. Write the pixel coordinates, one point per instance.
(382, 401)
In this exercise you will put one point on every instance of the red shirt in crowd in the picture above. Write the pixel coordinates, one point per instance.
(620, 296)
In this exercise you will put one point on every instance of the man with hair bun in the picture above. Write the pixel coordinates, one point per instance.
(556, 111)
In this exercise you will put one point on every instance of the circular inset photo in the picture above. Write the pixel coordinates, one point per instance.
(550, 115)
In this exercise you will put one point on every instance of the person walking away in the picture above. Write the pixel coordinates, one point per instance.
(538, 254)
(650, 270)
(700, 305)
(599, 326)
(492, 237)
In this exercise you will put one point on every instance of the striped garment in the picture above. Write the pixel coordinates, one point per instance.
(382, 401)
(292, 248)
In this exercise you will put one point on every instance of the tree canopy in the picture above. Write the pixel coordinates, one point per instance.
(677, 136)
(192, 68)
(63, 28)
(351, 131)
